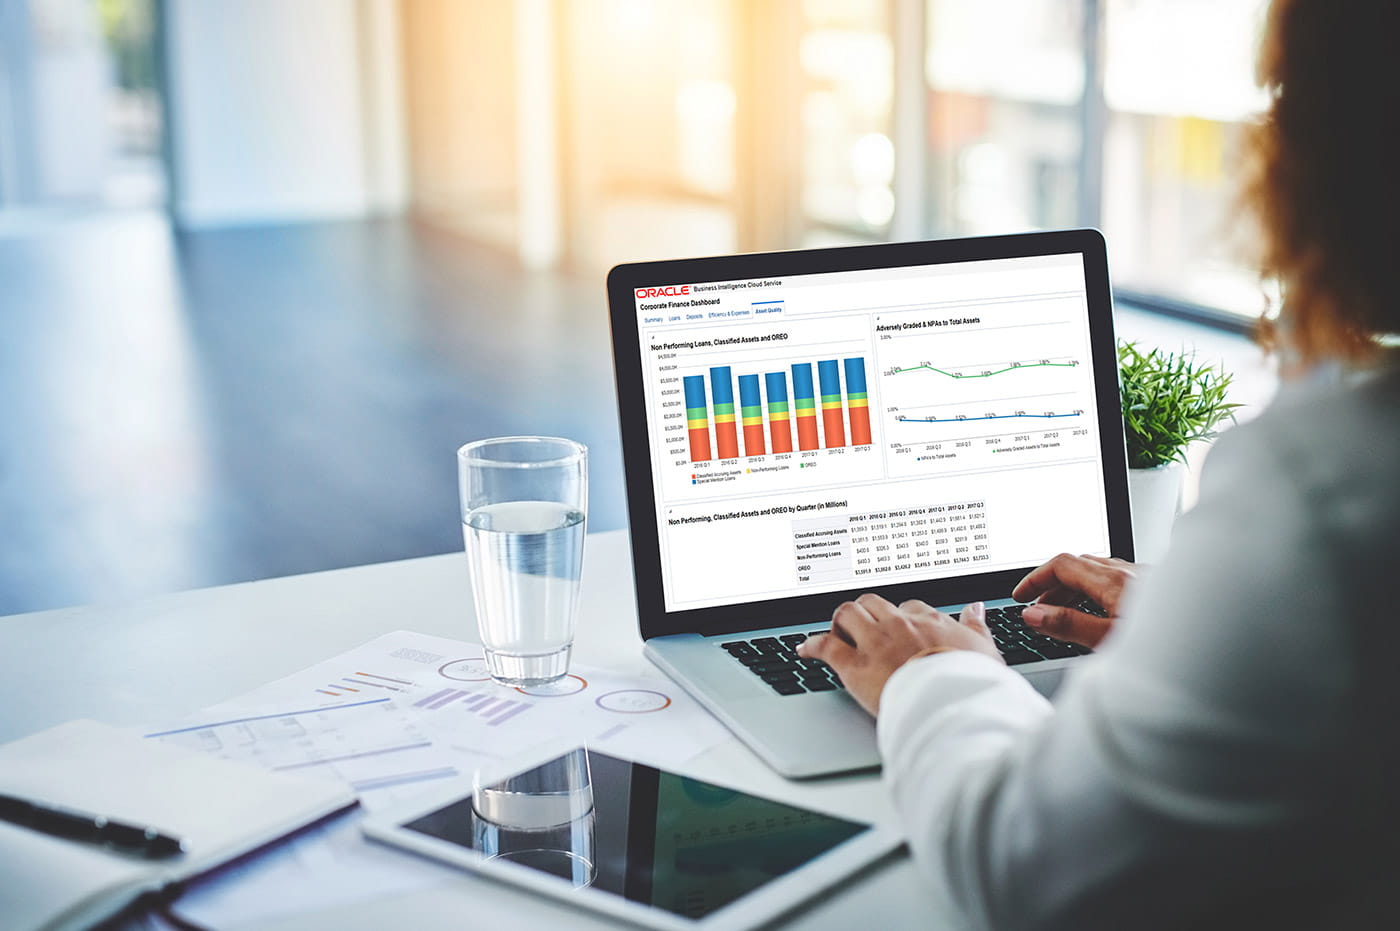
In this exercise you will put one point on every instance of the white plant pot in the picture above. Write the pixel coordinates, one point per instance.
(1155, 497)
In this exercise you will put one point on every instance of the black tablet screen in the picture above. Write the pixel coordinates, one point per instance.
(679, 844)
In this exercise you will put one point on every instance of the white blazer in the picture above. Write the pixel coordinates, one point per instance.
(1231, 757)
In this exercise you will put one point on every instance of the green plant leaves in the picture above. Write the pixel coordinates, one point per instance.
(1169, 402)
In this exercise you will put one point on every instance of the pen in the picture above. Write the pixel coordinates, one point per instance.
(89, 828)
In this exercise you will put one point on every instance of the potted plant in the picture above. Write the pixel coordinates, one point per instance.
(1169, 402)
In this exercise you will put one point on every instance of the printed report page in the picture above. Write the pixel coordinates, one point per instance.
(825, 432)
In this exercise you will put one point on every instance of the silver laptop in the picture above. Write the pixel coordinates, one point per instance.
(921, 420)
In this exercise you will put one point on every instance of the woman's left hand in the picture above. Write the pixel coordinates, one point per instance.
(871, 638)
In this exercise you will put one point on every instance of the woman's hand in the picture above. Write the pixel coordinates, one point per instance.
(1066, 580)
(871, 638)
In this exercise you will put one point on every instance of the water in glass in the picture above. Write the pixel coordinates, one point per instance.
(526, 560)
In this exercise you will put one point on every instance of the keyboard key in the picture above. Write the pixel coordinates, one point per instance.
(739, 648)
(820, 685)
(787, 688)
(1089, 606)
(1015, 657)
(774, 666)
(767, 644)
(1057, 650)
(782, 675)
(792, 640)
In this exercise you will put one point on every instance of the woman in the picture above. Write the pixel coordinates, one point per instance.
(1231, 757)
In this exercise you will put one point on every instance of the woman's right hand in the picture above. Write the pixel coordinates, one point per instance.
(1064, 582)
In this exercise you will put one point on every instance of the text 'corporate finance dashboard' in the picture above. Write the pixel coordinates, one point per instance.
(824, 432)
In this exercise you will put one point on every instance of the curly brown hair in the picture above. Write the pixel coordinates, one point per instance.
(1324, 178)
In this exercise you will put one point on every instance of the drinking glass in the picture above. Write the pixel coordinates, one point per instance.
(523, 503)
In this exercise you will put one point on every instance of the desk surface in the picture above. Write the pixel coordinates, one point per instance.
(155, 659)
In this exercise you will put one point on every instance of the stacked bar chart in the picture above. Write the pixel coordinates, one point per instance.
(697, 418)
(829, 374)
(857, 402)
(751, 415)
(779, 422)
(805, 400)
(767, 407)
(722, 393)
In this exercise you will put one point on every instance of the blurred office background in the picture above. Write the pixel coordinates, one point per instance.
(265, 264)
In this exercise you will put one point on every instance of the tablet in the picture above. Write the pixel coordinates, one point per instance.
(636, 842)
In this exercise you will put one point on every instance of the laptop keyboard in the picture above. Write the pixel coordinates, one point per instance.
(775, 659)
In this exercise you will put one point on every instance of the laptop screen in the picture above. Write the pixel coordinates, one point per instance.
(824, 432)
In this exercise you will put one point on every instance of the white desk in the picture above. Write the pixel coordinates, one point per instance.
(156, 659)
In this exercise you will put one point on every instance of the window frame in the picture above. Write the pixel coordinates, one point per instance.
(912, 207)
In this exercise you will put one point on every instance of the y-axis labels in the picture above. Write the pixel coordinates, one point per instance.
(697, 418)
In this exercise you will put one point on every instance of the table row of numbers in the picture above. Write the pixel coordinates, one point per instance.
(918, 541)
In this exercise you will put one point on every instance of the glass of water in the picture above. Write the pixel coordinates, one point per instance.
(523, 502)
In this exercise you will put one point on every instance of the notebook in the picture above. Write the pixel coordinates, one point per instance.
(923, 420)
(220, 809)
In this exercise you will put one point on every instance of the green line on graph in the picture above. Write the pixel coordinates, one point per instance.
(1009, 368)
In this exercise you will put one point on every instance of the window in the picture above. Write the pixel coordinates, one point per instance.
(1128, 115)
(80, 105)
(709, 126)
(650, 139)
(1005, 81)
(847, 87)
(1179, 88)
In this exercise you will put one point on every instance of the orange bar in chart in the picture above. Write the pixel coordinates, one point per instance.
(722, 393)
(833, 423)
(805, 405)
(857, 403)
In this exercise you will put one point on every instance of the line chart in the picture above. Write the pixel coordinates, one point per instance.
(984, 373)
(964, 419)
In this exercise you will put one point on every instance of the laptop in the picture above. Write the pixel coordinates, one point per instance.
(924, 420)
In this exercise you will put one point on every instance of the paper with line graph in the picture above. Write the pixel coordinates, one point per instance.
(372, 746)
(409, 707)
(444, 684)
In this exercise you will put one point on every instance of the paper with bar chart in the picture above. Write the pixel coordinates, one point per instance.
(369, 716)
(818, 435)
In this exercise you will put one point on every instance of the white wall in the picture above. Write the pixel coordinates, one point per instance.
(275, 114)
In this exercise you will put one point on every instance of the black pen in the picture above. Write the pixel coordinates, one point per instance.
(89, 828)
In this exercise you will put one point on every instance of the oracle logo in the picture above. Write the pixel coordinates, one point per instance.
(672, 291)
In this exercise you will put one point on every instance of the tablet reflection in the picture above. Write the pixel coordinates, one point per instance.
(543, 819)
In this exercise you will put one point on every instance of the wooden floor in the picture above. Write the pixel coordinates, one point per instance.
(188, 410)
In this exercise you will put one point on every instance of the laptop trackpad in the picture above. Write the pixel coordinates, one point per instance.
(1046, 682)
